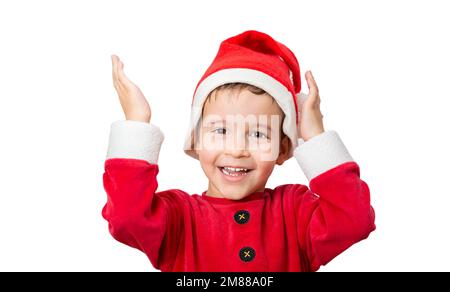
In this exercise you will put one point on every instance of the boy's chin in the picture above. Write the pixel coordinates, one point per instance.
(235, 194)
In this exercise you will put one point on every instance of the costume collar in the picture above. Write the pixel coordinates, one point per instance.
(252, 197)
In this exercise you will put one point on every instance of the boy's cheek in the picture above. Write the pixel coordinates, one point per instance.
(266, 152)
(211, 143)
(265, 170)
(269, 157)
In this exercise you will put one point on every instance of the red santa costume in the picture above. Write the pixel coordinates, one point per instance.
(288, 228)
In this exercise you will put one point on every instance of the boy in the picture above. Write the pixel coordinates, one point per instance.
(246, 118)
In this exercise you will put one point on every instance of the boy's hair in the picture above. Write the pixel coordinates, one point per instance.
(239, 86)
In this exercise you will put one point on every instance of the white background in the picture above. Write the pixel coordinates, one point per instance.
(383, 72)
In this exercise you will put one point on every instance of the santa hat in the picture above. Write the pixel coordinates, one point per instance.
(257, 59)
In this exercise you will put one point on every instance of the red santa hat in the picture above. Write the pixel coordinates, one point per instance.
(257, 59)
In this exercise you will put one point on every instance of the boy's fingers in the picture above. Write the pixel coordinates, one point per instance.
(121, 75)
(114, 69)
(114, 75)
(312, 85)
(313, 89)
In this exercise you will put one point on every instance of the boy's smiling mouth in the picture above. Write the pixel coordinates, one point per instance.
(234, 174)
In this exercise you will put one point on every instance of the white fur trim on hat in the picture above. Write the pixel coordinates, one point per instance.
(253, 77)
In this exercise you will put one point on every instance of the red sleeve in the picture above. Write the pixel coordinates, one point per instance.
(334, 214)
(136, 215)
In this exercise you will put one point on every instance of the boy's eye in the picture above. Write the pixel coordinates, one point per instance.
(255, 134)
(221, 131)
(258, 134)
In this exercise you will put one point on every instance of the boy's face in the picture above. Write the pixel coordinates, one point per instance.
(240, 142)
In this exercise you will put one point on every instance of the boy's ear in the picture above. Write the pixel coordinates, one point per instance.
(196, 138)
(195, 147)
(285, 147)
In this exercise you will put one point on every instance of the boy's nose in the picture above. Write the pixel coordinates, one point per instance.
(237, 153)
(237, 148)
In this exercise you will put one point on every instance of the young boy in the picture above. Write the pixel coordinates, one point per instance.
(247, 117)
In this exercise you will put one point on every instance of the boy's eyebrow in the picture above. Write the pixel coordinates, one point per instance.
(263, 125)
(211, 123)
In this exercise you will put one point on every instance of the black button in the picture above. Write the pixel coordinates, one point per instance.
(247, 254)
(241, 216)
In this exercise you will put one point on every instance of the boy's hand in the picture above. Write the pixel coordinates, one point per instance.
(133, 102)
(311, 123)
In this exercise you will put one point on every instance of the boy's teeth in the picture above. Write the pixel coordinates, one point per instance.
(235, 169)
(232, 171)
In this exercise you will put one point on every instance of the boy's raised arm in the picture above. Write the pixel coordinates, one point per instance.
(137, 215)
(336, 212)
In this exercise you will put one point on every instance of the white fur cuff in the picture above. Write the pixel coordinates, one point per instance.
(321, 153)
(133, 139)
